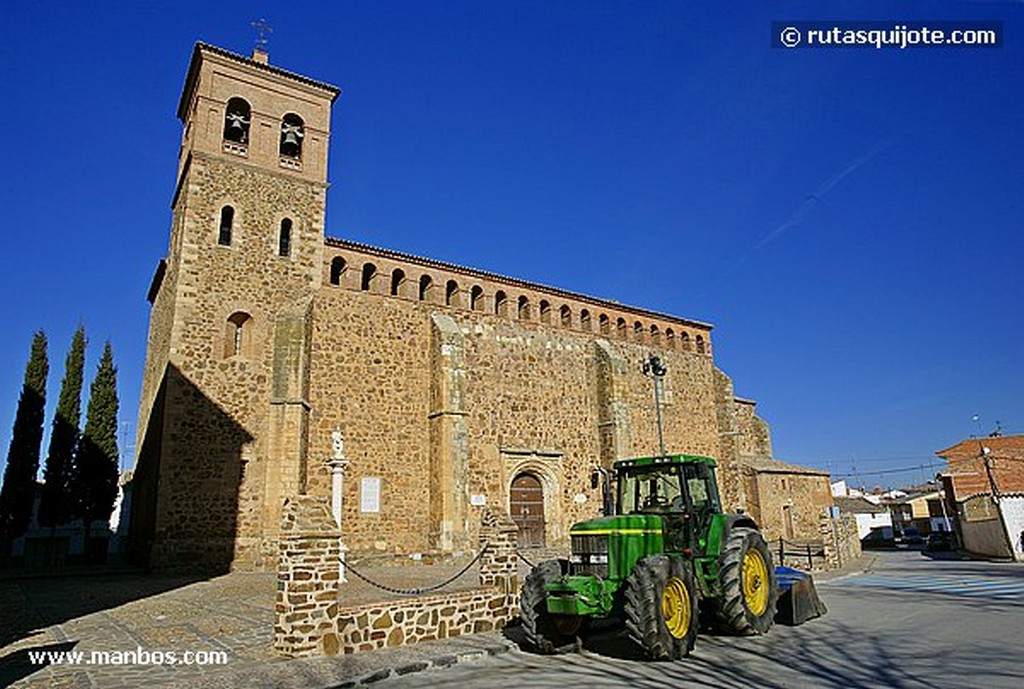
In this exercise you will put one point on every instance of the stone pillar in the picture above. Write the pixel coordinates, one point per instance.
(449, 436)
(288, 422)
(615, 426)
(305, 614)
(499, 565)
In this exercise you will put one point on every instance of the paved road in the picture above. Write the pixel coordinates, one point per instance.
(909, 621)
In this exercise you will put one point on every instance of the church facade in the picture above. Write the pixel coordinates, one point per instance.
(455, 388)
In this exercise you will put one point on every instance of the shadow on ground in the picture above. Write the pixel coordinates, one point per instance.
(21, 664)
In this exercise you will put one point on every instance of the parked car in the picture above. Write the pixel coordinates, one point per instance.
(878, 538)
(911, 536)
(939, 540)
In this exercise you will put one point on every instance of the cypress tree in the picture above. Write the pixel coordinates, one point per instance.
(56, 506)
(94, 478)
(18, 491)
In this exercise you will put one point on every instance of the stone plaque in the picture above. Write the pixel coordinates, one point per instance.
(370, 494)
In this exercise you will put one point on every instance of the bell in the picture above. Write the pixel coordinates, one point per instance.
(236, 123)
(291, 138)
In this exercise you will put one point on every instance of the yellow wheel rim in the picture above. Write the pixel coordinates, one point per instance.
(675, 606)
(755, 582)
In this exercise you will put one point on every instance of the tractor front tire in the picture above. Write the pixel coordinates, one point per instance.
(749, 588)
(661, 607)
(547, 633)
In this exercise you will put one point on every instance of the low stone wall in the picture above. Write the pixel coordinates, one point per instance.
(424, 618)
(309, 620)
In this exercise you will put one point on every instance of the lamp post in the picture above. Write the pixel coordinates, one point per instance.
(653, 367)
(338, 462)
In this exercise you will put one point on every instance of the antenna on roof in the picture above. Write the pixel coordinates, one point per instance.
(263, 31)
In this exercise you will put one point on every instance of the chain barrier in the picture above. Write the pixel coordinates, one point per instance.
(423, 589)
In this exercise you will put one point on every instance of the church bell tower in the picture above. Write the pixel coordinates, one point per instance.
(224, 408)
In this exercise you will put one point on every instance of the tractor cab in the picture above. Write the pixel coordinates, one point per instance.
(680, 488)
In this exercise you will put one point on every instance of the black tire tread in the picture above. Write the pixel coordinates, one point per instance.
(537, 626)
(731, 612)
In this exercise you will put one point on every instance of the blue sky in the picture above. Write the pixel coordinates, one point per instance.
(850, 220)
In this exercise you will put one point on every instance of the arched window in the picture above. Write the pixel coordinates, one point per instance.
(545, 311)
(369, 273)
(604, 324)
(500, 303)
(237, 335)
(584, 319)
(565, 315)
(236, 121)
(292, 132)
(426, 283)
(620, 327)
(451, 293)
(700, 344)
(476, 298)
(524, 308)
(655, 334)
(684, 341)
(337, 269)
(638, 331)
(227, 220)
(397, 282)
(284, 238)
(670, 337)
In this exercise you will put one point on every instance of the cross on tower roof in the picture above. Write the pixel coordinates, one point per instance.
(263, 30)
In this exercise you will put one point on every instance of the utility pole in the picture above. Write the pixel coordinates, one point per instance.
(996, 498)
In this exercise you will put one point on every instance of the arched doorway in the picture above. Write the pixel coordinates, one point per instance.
(527, 507)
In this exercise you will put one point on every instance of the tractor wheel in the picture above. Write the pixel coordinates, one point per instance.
(749, 588)
(546, 632)
(661, 607)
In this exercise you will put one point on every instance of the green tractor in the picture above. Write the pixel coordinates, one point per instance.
(662, 558)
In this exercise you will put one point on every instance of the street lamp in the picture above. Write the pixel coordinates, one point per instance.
(653, 368)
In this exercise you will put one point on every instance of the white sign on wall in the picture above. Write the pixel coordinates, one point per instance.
(478, 500)
(370, 494)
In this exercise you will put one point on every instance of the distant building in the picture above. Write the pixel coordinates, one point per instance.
(985, 484)
(870, 517)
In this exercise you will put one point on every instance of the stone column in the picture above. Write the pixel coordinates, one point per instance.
(499, 565)
(338, 463)
(306, 609)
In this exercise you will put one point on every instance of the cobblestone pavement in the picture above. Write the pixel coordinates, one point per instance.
(122, 612)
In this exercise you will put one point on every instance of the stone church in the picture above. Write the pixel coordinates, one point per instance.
(455, 388)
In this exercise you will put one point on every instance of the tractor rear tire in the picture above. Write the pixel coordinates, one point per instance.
(749, 588)
(661, 607)
(545, 632)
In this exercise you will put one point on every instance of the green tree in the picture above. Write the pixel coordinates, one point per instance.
(95, 473)
(57, 505)
(18, 491)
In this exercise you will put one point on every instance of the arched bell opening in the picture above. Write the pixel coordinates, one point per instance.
(293, 130)
(237, 117)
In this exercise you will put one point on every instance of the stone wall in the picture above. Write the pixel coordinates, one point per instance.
(787, 504)
(310, 621)
(841, 540)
